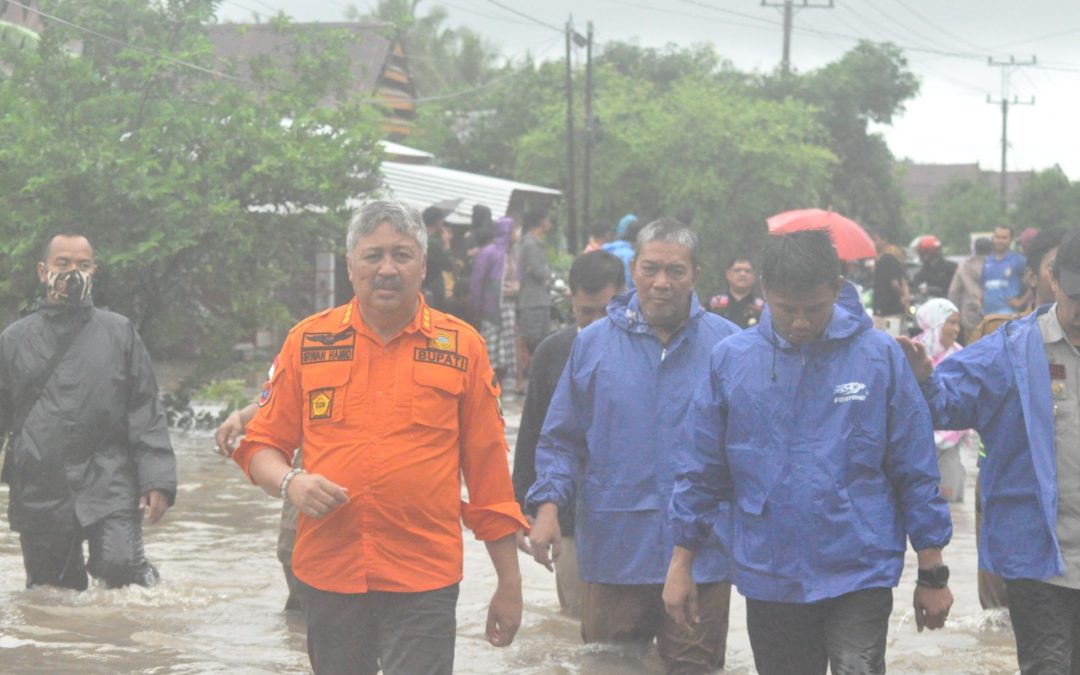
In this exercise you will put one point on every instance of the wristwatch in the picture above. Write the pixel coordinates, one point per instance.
(935, 577)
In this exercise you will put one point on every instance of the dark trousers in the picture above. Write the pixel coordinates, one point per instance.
(847, 633)
(992, 591)
(1046, 622)
(401, 633)
(116, 554)
(635, 614)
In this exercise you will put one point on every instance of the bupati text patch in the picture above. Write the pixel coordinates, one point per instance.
(441, 358)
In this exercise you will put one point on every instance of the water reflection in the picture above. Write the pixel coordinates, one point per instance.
(219, 608)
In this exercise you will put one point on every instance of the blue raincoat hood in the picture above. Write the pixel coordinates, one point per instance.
(849, 319)
(625, 311)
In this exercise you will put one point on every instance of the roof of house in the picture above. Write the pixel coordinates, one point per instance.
(921, 182)
(421, 185)
(396, 152)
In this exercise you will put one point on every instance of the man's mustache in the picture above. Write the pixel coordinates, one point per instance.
(387, 284)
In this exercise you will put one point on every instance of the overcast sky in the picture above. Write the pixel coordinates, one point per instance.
(949, 43)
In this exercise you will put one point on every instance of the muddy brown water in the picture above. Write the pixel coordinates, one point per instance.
(219, 608)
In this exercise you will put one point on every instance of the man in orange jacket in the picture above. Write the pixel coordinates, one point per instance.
(394, 402)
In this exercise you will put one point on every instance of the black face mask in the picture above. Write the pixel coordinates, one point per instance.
(70, 287)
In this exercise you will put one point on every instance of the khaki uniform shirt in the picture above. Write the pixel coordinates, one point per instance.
(1064, 361)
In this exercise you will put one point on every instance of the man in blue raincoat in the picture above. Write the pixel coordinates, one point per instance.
(1020, 388)
(813, 428)
(607, 444)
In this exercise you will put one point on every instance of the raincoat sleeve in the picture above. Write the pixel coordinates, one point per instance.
(561, 452)
(148, 433)
(911, 460)
(966, 388)
(491, 512)
(702, 477)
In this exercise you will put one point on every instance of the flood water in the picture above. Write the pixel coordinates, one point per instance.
(219, 608)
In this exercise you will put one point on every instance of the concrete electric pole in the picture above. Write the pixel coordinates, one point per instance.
(789, 7)
(1005, 101)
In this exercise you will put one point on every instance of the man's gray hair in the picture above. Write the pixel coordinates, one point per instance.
(404, 218)
(669, 229)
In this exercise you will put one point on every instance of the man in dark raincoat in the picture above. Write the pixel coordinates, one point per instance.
(89, 454)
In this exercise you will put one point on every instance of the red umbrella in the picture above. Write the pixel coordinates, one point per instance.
(852, 242)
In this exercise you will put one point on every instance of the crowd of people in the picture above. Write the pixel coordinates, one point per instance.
(769, 439)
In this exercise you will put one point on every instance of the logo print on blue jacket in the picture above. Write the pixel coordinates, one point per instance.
(852, 391)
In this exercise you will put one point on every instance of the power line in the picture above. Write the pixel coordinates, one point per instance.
(493, 17)
(121, 43)
(864, 19)
(766, 25)
(937, 27)
(729, 11)
(900, 24)
(769, 25)
(855, 38)
(526, 16)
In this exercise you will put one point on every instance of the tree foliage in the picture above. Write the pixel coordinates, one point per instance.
(680, 128)
(704, 146)
(960, 208)
(868, 86)
(203, 193)
(1048, 199)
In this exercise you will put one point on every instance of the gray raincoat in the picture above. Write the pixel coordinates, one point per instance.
(96, 439)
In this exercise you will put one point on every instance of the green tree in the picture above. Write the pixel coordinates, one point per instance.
(960, 208)
(705, 146)
(479, 131)
(1047, 200)
(204, 191)
(868, 86)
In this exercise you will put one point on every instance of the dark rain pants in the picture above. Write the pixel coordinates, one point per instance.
(116, 554)
(617, 613)
(1046, 622)
(399, 633)
(846, 633)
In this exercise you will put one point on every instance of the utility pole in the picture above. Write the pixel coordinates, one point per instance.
(571, 203)
(789, 7)
(1005, 102)
(572, 38)
(586, 197)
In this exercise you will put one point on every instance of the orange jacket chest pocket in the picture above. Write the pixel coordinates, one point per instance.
(325, 388)
(437, 395)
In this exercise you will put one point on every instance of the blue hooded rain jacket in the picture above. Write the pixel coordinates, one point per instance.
(827, 453)
(1000, 386)
(618, 414)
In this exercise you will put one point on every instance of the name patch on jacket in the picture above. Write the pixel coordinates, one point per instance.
(324, 347)
(441, 358)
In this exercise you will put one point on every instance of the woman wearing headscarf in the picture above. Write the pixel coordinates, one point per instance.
(940, 322)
